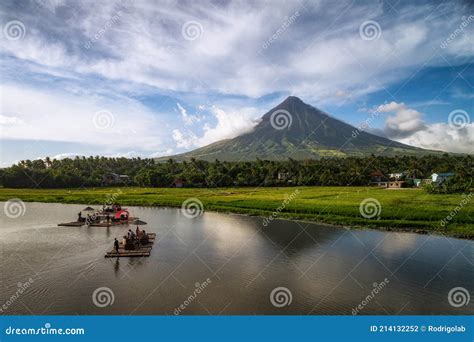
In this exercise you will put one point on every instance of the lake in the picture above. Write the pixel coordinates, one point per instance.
(223, 264)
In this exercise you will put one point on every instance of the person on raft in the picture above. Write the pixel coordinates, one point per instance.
(131, 235)
(116, 245)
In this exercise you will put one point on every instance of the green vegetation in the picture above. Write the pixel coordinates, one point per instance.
(89, 172)
(405, 209)
(459, 183)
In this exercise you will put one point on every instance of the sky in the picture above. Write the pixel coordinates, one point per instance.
(155, 78)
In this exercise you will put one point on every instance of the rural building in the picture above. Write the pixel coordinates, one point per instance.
(283, 175)
(178, 183)
(396, 175)
(441, 177)
(112, 178)
(378, 178)
(396, 184)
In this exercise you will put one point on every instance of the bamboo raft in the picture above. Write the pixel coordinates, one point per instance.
(72, 224)
(97, 224)
(142, 251)
(108, 224)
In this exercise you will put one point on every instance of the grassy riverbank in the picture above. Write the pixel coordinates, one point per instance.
(406, 209)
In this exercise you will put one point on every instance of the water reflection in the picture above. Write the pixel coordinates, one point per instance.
(328, 270)
(117, 267)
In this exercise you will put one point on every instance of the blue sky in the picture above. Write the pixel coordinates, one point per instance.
(146, 78)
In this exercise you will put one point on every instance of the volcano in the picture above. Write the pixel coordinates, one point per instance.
(296, 130)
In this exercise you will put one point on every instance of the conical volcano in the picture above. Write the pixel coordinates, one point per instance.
(294, 129)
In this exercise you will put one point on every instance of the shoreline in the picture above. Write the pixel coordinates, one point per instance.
(281, 217)
(333, 225)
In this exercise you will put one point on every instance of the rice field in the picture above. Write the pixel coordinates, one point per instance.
(403, 209)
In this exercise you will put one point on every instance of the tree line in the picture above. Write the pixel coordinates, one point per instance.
(350, 171)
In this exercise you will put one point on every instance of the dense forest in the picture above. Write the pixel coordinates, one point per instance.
(89, 172)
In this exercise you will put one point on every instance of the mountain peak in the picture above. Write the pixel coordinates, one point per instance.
(291, 104)
(293, 100)
(296, 106)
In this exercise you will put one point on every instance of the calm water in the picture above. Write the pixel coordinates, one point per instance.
(328, 270)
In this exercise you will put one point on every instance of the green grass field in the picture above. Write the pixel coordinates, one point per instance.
(406, 209)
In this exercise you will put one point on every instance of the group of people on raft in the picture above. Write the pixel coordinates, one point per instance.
(132, 239)
(104, 213)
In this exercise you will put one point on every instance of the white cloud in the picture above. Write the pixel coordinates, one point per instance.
(441, 136)
(185, 139)
(318, 61)
(73, 118)
(66, 155)
(129, 154)
(10, 120)
(390, 107)
(408, 127)
(187, 118)
(458, 93)
(161, 153)
(229, 124)
(404, 122)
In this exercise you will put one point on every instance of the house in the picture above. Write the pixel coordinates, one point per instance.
(396, 176)
(379, 179)
(396, 184)
(439, 178)
(178, 183)
(114, 178)
(377, 176)
(283, 175)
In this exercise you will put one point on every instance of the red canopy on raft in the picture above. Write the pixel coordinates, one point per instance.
(119, 213)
